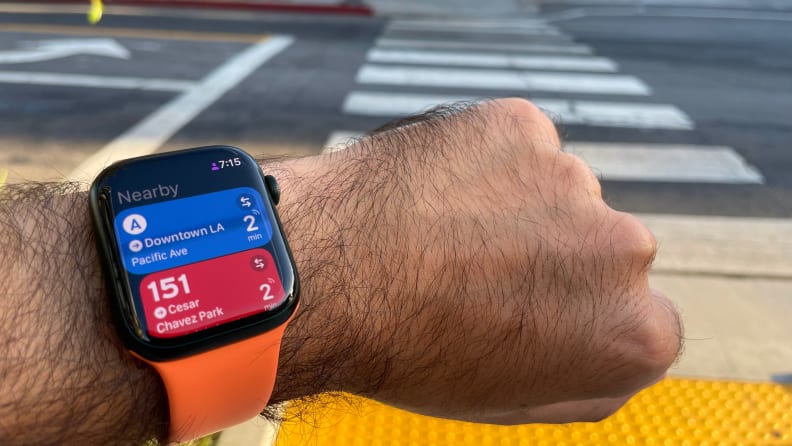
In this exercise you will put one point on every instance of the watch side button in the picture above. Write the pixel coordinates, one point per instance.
(273, 188)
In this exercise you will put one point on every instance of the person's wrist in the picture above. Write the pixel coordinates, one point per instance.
(309, 360)
(327, 347)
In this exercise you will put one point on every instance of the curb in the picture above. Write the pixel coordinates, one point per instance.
(735, 247)
(280, 7)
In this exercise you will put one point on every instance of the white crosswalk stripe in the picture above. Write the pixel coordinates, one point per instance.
(339, 139)
(616, 114)
(502, 80)
(492, 60)
(545, 38)
(603, 114)
(533, 32)
(530, 47)
(495, 56)
(82, 80)
(641, 162)
(467, 25)
(662, 162)
(528, 31)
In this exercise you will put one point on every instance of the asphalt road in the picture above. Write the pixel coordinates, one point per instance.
(694, 110)
(730, 75)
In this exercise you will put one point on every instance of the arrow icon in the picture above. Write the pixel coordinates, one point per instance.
(60, 48)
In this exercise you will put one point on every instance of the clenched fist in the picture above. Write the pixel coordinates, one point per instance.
(471, 270)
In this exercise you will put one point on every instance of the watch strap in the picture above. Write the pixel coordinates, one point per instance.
(220, 388)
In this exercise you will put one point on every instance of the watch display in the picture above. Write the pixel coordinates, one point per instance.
(195, 249)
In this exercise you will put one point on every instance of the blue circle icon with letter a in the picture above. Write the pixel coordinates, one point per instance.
(135, 224)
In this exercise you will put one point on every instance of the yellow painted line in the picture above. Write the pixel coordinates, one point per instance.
(673, 412)
(131, 32)
(3, 177)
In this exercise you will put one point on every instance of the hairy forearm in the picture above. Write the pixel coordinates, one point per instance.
(332, 209)
(375, 245)
(65, 377)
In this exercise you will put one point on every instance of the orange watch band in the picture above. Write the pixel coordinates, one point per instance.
(220, 388)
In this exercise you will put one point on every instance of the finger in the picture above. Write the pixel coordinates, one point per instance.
(653, 347)
(668, 316)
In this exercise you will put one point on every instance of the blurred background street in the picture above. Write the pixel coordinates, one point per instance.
(683, 108)
(679, 110)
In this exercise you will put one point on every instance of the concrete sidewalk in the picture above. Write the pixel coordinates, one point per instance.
(732, 281)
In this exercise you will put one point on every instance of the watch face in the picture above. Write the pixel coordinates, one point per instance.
(193, 249)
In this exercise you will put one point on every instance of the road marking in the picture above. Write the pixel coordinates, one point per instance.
(339, 139)
(60, 48)
(484, 46)
(687, 12)
(492, 60)
(154, 130)
(370, 103)
(150, 34)
(492, 37)
(3, 177)
(82, 80)
(502, 80)
(491, 29)
(592, 113)
(616, 114)
(602, 114)
(464, 25)
(672, 163)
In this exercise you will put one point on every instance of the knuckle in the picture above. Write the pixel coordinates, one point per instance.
(581, 176)
(527, 115)
(520, 106)
(668, 334)
(634, 239)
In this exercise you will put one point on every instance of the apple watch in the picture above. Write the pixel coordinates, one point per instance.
(200, 278)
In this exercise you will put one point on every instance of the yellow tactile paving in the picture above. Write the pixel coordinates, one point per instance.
(674, 412)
